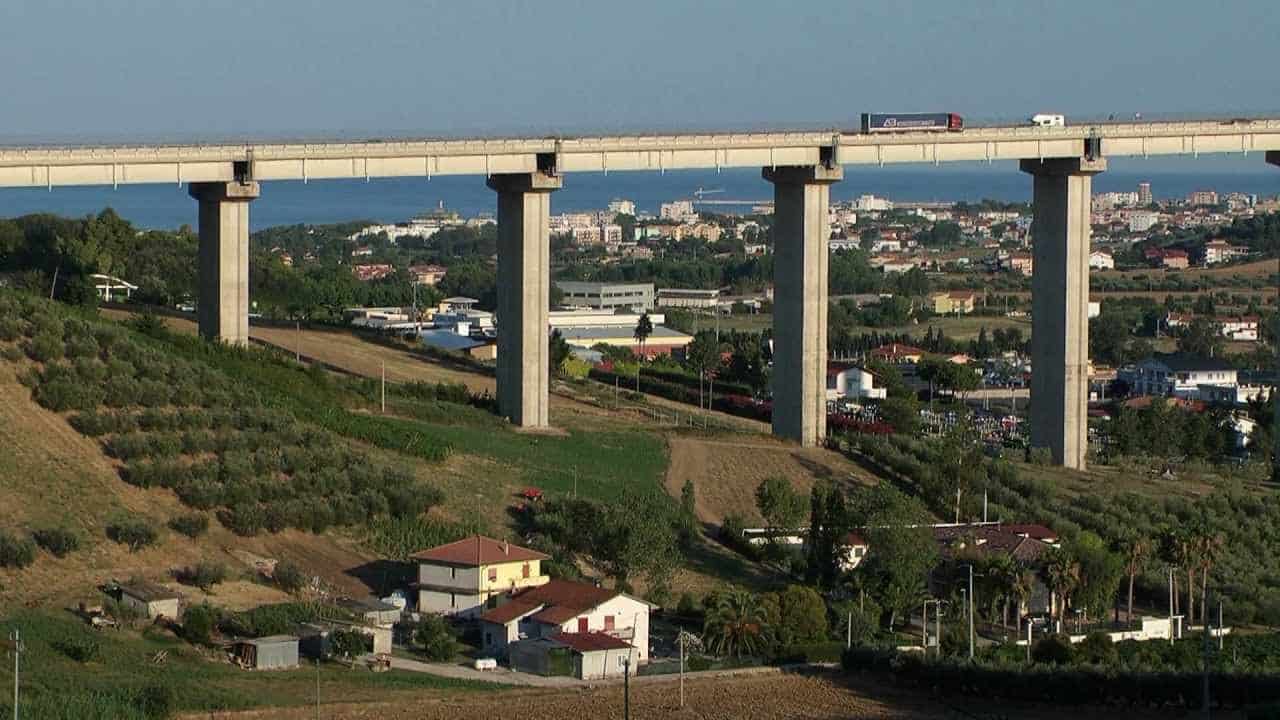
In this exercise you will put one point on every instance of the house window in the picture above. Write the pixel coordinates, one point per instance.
(525, 570)
(493, 574)
(453, 573)
(608, 623)
(582, 625)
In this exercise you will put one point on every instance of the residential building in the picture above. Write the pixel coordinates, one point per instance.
(562, 607)
(844, 243)
(1101, 259)
(1202, 197)
(1242, 328)
(427, 274)
(618, 206)
(1178, 375)
(637, 296)
(678, 211)
(1019, 263)
(1220, 251)
(869, 203)
(708, 232)
(960, 302)
(466, 577)
(611, 234)
(662, 341)
(1143, 220)
(374, 271)
(846, 380)
(896, 353)
(105, 285)
(586, 656)
(1144, 193)
(688, 298)
(587, 234)
(1170, 258)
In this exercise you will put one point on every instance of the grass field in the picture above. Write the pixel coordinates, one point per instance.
(122, 667)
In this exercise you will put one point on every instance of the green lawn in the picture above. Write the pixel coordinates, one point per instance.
(110, 682)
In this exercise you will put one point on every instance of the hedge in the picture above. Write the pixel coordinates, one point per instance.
(1065, 686)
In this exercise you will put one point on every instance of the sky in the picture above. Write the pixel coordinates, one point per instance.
(86, 70)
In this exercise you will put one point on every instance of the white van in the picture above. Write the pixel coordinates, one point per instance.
(1047, 120)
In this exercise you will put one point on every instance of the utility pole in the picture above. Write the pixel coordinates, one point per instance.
(682, 670)
(16, 639)
(1205, 653)
(1221, 638)
(848, 628)
(317, 688)
(1029, 626)
(1170, 604)
(626, 688)
(971, 612)
(384, 387)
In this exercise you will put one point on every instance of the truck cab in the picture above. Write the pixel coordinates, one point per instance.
(1048, 120)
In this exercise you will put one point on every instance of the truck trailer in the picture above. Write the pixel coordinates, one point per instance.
(911, 122)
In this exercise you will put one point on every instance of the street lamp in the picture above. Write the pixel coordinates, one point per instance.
(970, 602)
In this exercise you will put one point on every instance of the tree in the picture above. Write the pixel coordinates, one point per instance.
(802, 615)
(1137, 551)
(903, 551)
(637, 537)
(1201, 338)
(737, 625)
(436, 638)
(703, 357)
(688, 513)
(779, 504)
(1208, 545)
(1101, 572)
(1061, 573)
(644, 328)
(558, 351)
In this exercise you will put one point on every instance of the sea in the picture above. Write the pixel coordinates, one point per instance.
(397, 200)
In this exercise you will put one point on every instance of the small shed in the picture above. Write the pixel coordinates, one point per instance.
(274, 652)
(149, 599)
(586, 656)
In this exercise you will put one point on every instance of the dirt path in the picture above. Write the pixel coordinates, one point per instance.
(725, 472)
(763, 697)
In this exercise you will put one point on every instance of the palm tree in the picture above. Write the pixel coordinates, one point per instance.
(1000, 575)
(736, 625)
(1023, 585)
(1208, 545)
(644, 328)
(1139, 550)
(1062, 573)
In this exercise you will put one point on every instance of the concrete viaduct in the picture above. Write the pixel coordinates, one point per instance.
(224, 179)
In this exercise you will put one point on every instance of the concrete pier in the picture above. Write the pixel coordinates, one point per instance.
(1060, 306)
(800, 246)
(223, 309)
(524, 289)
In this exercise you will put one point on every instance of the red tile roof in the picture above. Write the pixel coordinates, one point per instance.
(591, 641)
(478, 550)
(1032, 530)
(896, 350)
(560, 600)
(507, 612)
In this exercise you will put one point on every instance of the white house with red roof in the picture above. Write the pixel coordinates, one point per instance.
(562, 608)
(464, 578)
(848, 380)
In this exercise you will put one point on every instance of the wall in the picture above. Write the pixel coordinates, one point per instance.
(627, 614)
(462, 603)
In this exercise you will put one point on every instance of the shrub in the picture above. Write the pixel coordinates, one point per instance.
(349, 643)
(198, 623)
(289, 577)
(69, 394)
(1053, 649)
(121, 391)
(10, 329)
(1041, 456)
(1098, 648)
(81, 648)
(16, 552)
(435, 638)
(193, 525)
(412, 500)
(11, 353)
(135, 533)
(59, 541)
(203, 575)
(244, 520)
(687, 607)
(45, 347)
(156, 701)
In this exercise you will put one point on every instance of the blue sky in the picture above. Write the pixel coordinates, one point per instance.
(106, 69)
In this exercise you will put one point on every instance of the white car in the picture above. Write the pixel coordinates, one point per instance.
(1048, 120)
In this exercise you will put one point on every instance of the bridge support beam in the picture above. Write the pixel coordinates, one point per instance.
(223, 312)
(801, 233)
(524, 291)
(1060, 306)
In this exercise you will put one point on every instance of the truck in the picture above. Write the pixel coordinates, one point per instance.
(911, 122)
(1048, 120)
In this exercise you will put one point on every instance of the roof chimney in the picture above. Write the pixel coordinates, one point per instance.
(506, 548)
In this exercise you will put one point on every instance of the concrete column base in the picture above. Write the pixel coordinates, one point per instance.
(800, 257)
(1060, 306)
(223, 303)
(524, 291)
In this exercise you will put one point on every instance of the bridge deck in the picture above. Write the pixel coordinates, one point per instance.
(40, 166)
